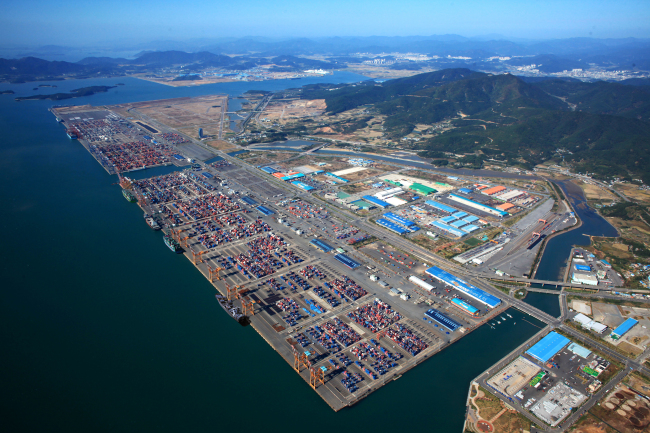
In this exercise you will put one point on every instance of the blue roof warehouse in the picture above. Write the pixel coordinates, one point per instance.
(548, 346)
(473, 292)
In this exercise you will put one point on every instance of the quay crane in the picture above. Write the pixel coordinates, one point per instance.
(198, 255)
(299, 359)
(248, 306)
(214, 273)
(317, 375)
(234, 292)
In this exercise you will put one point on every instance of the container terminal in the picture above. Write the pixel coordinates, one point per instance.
(285, 262)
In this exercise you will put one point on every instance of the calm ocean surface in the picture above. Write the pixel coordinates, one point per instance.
(105, 330)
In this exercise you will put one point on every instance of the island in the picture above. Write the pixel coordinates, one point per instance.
(76, 93)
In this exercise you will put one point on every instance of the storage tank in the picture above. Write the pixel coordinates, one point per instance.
(415, 280)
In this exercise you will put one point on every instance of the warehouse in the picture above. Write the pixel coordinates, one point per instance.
(442, 319)
(459, 214)
(266, 211)
(302, 185)
(376, 201)
(579, 350)
(510, 195)
(465, 191)
(482, 296)
(398, 219)
(443, 207)
(448, 219)
(470, 219)
(448, 229)
(247, 200)
(458, 224)
(415, 280)
(395, 201)
(422, 189)
(548, 346)
(477, 205)
(464, 306)
(363, 204)
(623, 328)
(584, 268)
(392, 226)
(580, 278)
(268, 170)
(323, 246)
(347, 261)
(494, 190)
(292, 176)
(389, 193)
(333, 176)
(505, 206)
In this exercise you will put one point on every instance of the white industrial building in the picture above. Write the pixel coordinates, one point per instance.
(418, 282)
(581, 278)
(586, 323)
(389, 193)
(510, 195)
(395, 201)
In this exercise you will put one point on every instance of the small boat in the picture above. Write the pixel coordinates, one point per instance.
(498, 322)
(234, 312)
(503, 318)
(508, 315)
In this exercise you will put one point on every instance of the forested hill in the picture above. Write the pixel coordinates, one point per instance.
(600, 127)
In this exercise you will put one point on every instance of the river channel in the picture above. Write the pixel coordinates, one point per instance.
(558, 248)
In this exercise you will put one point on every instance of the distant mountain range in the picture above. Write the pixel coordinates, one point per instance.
(599, 127)
(32, 69)
(624, 51)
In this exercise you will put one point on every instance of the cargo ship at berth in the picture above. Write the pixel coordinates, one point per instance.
(152, 223)
(172, 244)
(129, 195)
(71, 135)
(234, 312)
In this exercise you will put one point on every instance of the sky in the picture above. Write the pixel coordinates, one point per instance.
(91, 22)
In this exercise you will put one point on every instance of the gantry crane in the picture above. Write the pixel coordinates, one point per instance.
(214, 273)
(248, 306)
(316, 375)
(198, 255)
(233, 292)
(299, 359)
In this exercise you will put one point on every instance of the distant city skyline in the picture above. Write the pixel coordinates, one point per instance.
(77, 23)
